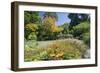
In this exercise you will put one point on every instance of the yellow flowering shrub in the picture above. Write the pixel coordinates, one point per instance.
(32, 27)
(60, 50)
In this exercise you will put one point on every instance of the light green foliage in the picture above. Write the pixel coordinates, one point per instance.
(82, 31)
(65, 33)
(65, 27)
(32, 36)
(28, 53)
(86, 38)
(82, 27)
(31, 31)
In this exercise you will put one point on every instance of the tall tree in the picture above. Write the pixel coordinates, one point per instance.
(77, 18)
(31, 17)
(49, 21)
(49, 27)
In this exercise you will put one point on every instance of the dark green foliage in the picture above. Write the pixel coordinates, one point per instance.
(31, 17)
(77, 19)
(41, 34)
(27, 17)
(74, 19)
(84, 17)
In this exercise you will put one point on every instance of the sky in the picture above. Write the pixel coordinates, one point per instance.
(62, 17)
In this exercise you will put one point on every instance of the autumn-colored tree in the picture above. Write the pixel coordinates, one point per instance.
(49, 22)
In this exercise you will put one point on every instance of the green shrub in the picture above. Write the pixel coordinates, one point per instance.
(80, 29)
(32, 36)
(86, 38)
(63, 36)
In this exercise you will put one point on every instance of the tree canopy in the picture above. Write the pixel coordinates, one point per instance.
(77, 18)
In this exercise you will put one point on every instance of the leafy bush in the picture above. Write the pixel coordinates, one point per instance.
(81, 29)
(58, 50)
(32, 36)
(28, 53)
(82, 32)
(86, 38)
(31, 31)
(31, 27)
